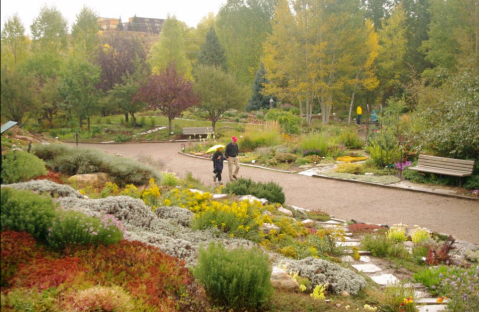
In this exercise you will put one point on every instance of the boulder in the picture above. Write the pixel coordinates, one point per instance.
(280, 279)
(268, 227)
(90, 179)
(308, 223)
(285, 211)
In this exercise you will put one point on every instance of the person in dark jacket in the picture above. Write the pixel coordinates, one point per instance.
(218, 159)
(231, 155)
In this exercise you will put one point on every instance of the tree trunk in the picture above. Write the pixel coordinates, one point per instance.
(88, 123)
(126, 117)
(133, 119)
(169, 124)
(351, 109)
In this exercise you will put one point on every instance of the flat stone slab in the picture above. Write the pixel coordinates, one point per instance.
(430, 301)
(385, 279)
(219, 196)
(431, 308)
(364, 259)
(347, 259)
(367, 268)
(348, 244)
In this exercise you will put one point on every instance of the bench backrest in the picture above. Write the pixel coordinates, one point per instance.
(459, 165)
(197, 130)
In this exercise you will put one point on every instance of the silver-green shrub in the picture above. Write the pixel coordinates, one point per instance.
(19, 166)
(321, 272)
(47, 187)
(73, 161)
(167, 228)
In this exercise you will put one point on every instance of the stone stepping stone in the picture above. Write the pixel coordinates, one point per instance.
(430, 301)
(349, 239)
(219, 196)
(431, 308)
(364, 259)
(367, 268)
(385, 279)
(347, 244)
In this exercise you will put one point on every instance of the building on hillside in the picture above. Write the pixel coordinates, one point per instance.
(108, 23)
(142, 24)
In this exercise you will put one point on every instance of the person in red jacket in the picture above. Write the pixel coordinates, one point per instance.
(231, 155)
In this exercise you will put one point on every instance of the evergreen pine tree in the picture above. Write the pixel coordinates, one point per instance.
(258, 100)
(212, 52)
(120, 25)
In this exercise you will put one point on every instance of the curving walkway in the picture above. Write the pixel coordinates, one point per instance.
(344, 200)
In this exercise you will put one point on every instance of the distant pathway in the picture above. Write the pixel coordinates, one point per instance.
(345, 200)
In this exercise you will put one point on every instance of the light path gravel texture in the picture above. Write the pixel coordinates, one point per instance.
(344, 200)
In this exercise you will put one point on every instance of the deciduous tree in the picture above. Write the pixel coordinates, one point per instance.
(170, 48)
(14, 42)
(77, 86)
(169, 92)
(218, 92)
(50, 31)
(18, 95)
(84, 32)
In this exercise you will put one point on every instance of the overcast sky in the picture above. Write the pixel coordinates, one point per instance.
(189, 11)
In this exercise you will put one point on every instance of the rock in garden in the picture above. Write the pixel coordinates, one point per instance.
(280, 279)
(268, 227)
(308, 223)
(285, 211)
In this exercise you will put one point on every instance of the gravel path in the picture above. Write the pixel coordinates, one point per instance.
(344, 200)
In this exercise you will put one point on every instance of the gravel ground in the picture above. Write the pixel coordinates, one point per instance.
(344, 200)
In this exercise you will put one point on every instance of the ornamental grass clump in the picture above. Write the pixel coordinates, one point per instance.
(72, 227)
(238, 279)
(22, 210)
(398, 297)
(381, 246)
(18, 166)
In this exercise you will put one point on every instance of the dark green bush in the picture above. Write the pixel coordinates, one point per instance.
(19, 166)
(273, 192)
(26, 211)
(238, 279)
(73, 161)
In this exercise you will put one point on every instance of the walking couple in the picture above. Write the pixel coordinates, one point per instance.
(231, 155)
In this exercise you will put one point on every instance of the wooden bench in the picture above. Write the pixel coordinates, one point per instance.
(447, 166)
(197, 131)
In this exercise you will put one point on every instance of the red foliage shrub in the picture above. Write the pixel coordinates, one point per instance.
(44, 273)
(17, 247)
(51, 176)
(143, 270)
(361, 228)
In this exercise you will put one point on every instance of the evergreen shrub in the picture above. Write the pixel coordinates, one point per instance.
(18, 166)
(238, 279)
(72, 227)
(272, 191)
(26, 211)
